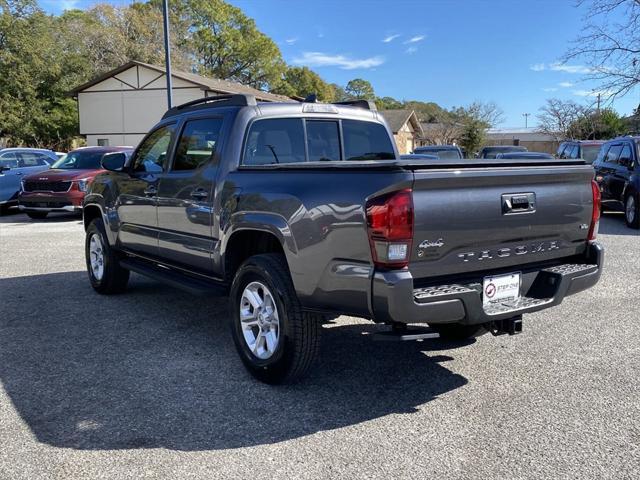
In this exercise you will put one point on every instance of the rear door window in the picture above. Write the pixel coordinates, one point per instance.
(9, 160)
(366, 141)
(276, 140)
(197, 143)
(625, 156)
(31, 159)
(323, 140)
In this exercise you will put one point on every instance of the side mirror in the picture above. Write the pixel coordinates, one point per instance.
(114, 161)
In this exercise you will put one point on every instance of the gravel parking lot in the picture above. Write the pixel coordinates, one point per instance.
(148, 385)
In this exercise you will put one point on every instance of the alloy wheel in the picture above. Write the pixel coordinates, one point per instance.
(259, 320)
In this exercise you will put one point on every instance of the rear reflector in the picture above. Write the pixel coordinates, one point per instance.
(390, 228)
(595, 212)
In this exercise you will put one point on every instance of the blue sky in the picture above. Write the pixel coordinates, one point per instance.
(450, 52)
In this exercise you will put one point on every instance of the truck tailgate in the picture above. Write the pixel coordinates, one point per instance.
(483, 218)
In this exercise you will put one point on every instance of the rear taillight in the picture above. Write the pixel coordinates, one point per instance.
(390, 228)
(595, 212)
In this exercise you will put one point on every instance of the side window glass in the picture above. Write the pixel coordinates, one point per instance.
(625, 156)
(323, 140)
(9, 160)
(613, 154)
(573, 152)
(560, 151)
(29, 159)
(275, 141)
(197, 143)
(602, 154)
(151, 154)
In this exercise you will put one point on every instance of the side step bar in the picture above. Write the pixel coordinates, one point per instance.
(175, 278)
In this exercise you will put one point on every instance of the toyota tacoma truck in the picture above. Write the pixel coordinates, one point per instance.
(300, 212)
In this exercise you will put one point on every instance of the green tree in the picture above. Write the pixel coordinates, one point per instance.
(599, 125)
(388, 103)
(226, 44)
(360, 89)
(301, 81)
(472, 135)
(35, 108)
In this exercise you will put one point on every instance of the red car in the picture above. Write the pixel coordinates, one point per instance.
(63, 186)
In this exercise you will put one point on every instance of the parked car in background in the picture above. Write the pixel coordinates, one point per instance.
(303, 211)
(586, 149)
(492, 151)
(524, 155)
(15, 163)
(442, 151)
(415, 156)
(62, 188)
(617, 170)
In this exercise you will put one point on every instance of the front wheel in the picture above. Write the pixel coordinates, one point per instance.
(276, 340)
(105, 273)
(632, 211)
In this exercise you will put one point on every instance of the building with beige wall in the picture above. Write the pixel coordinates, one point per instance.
(119, 107)
(530, 138)
(406, 129)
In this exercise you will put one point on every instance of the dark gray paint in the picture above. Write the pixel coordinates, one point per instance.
(317, 213)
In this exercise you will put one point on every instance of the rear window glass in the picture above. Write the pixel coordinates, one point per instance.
(366, 141)
(323, 140)
(278, 140)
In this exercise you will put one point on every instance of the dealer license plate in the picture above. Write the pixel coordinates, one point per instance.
(501, 289)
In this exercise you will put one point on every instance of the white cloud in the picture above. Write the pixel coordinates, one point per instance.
(593, 93)
(550, 89)
(411, 50)
(319, 59)
(559, 67)
(415, 39)
(390, 38)
(537, 67)
(565, 84)
(291, 41)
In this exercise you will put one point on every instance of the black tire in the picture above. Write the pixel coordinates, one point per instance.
(298, 333)
(457, 331)
(37, 215)
(114, 278)
(632, 219)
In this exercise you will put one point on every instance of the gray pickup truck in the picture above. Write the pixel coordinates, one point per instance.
(300, 212)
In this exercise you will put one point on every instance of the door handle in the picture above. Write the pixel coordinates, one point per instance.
(151, 191)
(19, 173)
(199, 194)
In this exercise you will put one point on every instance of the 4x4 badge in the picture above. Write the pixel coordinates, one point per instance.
(429, 244)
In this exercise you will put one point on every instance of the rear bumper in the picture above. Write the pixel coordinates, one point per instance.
(394, 298)
(70, 201)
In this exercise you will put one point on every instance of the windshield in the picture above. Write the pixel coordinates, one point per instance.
(590, 152)
(81, 160)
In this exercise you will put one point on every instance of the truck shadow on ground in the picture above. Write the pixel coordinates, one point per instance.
(157, 368)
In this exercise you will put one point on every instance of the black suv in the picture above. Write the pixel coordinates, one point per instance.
(618, 174)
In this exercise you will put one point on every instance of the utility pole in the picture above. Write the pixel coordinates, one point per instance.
(167, 51)
(598, 109)
(526, 119)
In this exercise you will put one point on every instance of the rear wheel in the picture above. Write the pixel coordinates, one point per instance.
(37, 215)
(276, 340)
(457, 331)
(105, 273)
(632, 211)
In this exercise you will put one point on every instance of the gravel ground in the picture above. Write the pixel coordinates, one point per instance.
(148, 385)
